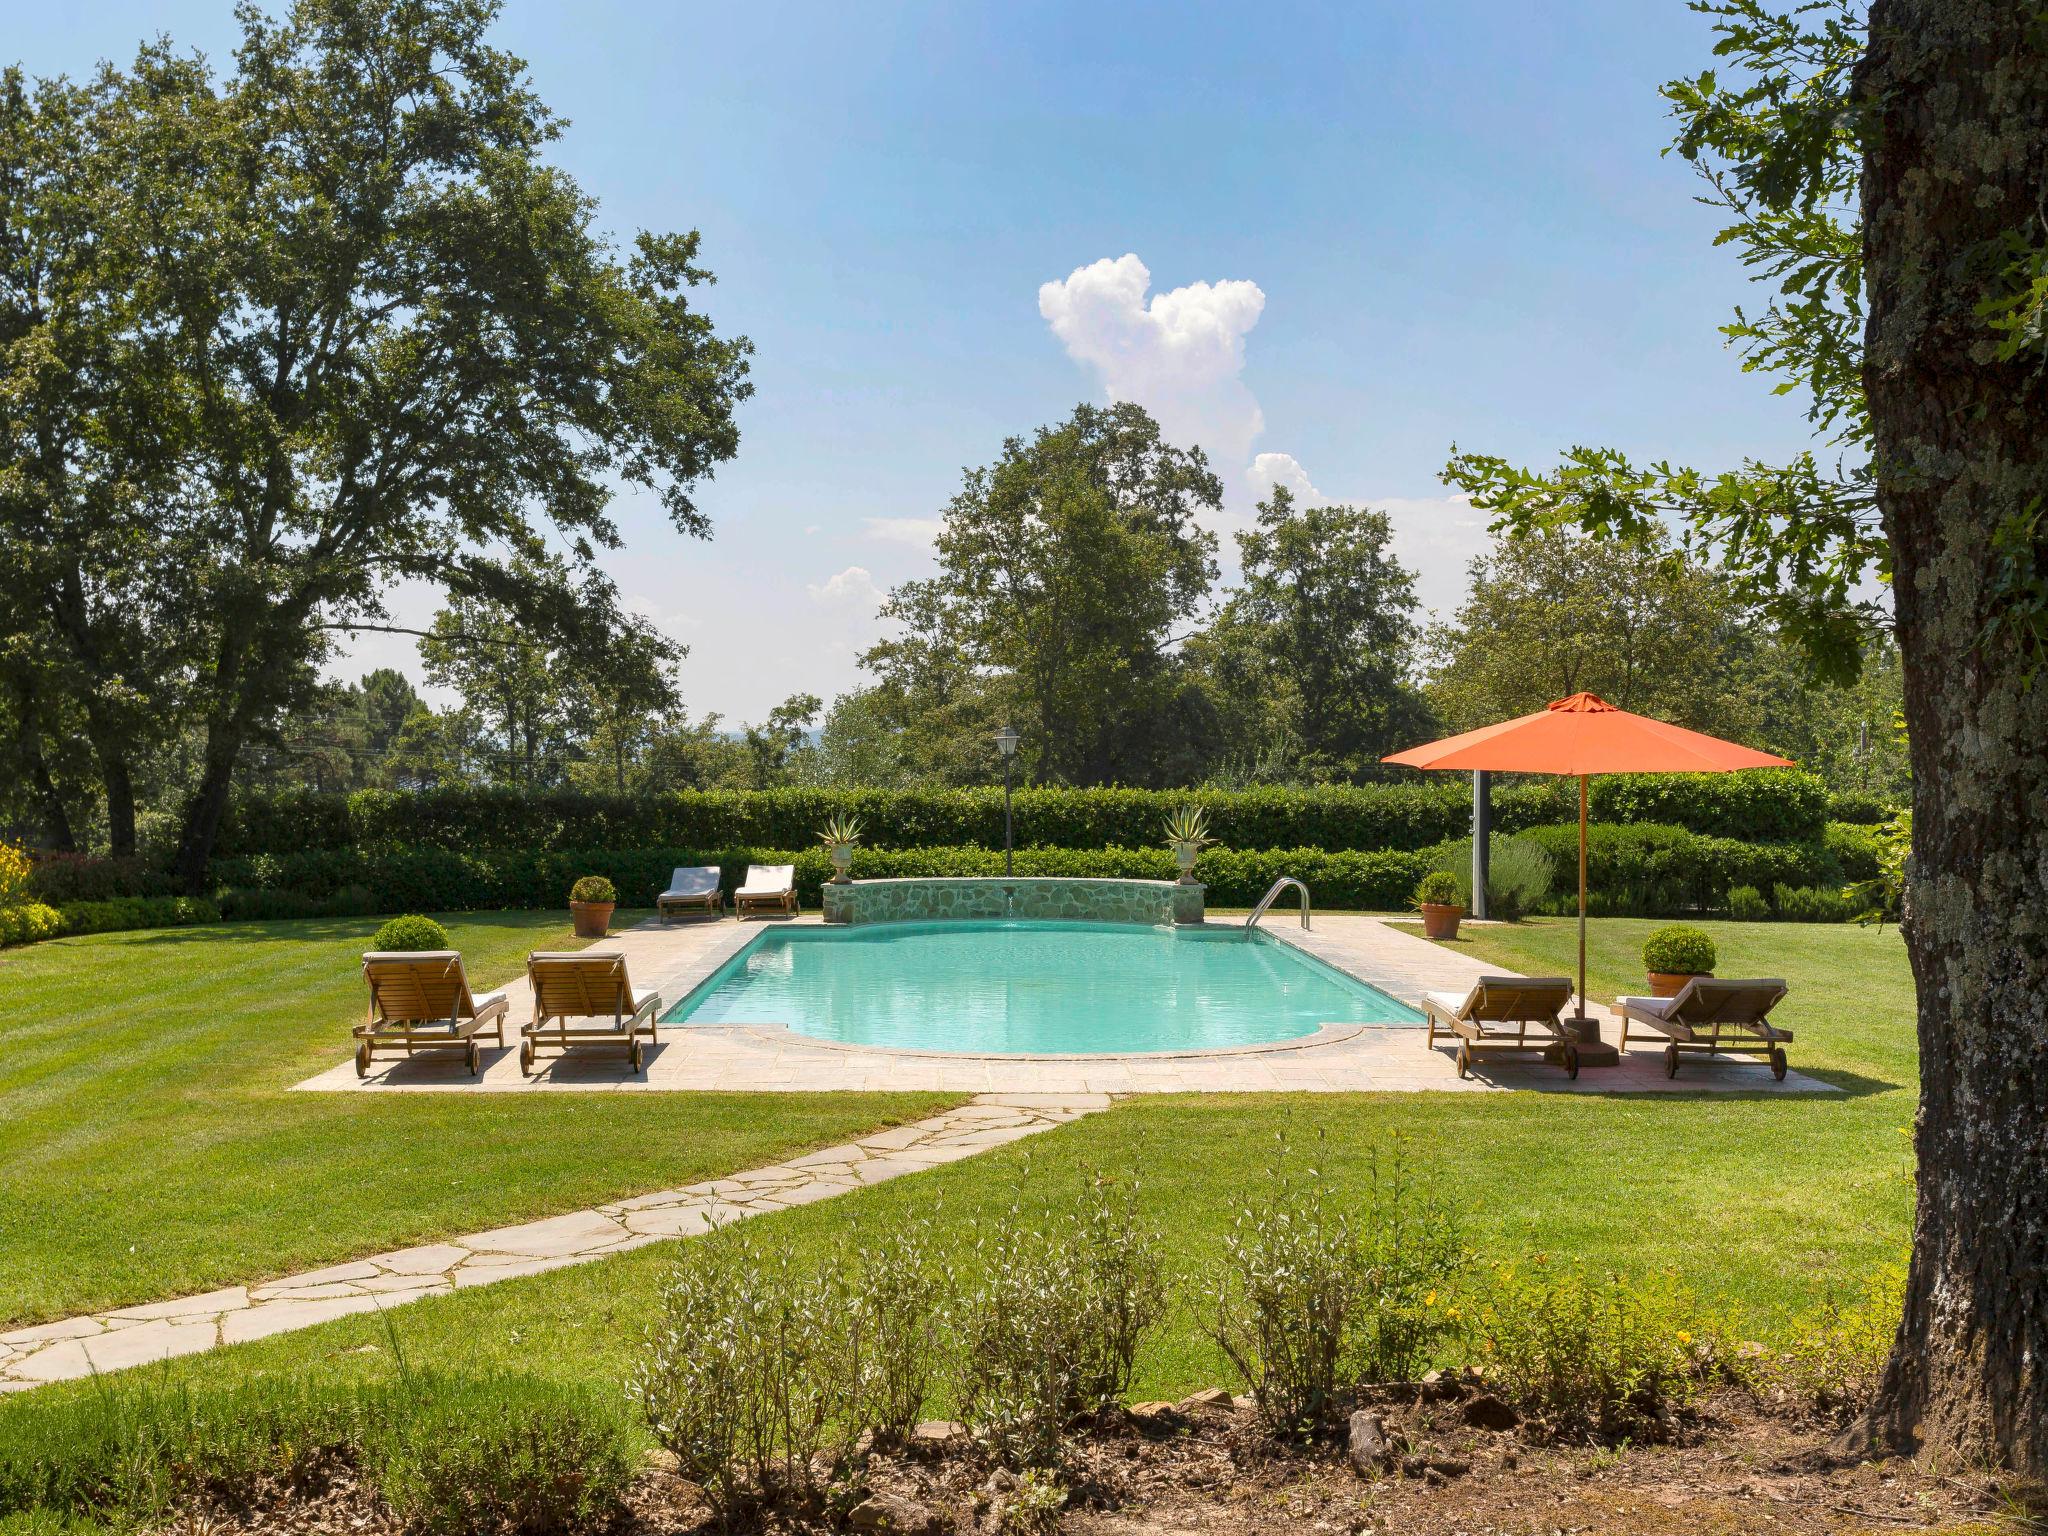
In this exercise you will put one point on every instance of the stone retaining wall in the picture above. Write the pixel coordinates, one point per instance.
(1098, 901)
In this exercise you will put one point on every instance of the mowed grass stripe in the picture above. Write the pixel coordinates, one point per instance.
(150, 1147)
(1765, 1205)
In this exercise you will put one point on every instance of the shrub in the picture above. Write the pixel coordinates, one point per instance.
(1860, 806)
(1413, 1256)
(126, 912)
(63, 878)
(1600, 1356)
(1519, 873)
(887, 1341)
(1746, 904)
(14, 875)
(735, 1382)
(29, 922)
(1679, 951)
(247, 904)
(411, 933)
(1438, 888)
(1814, 903)
(1839, 1351)
(1407, 815)
(484, 1455)
(1292, 1270)
(594, 888)
(1858, 852)
(472, 1456)
(1050, 1332)
(1315, 1296)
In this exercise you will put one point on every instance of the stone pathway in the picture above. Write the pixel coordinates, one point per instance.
(106, 1341)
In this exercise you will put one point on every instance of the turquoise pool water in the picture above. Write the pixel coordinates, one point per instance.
(1033, 987)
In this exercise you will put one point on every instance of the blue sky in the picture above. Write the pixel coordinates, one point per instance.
(1411, 225)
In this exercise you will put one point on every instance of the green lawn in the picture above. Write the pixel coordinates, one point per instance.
(1763, 1202)
(149, 1148)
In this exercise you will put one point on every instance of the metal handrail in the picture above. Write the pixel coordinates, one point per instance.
(1274, 890)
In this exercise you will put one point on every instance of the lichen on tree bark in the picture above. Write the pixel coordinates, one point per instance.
(1955, 165)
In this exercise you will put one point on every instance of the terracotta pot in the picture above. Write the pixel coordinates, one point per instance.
(1670, 983)
(1439, 921)
(1184, 855)
(593, 918)
(842, 861)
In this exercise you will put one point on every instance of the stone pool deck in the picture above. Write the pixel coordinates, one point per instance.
(1339, 1059)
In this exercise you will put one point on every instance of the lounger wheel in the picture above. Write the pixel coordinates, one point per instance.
(526, 1058)
(1571, 1060)
(1464, 1059)
(635, 1055)
(363, 1059)
(473, 1058)
(1671, 1061)
(1778, 1062)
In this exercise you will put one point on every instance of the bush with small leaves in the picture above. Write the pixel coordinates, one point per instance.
(479, 1456)
(1815, 904)
(411, 933)
(1294, 1267)
(595, 889)
(1839, 1351)
(29, 922)
(1746, 904)
(1317, 1295)
(1604, 1356)
(1050, 1333)
(1679, 951)
(1439, 888)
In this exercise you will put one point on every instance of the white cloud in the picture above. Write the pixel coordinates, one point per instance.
(915, 532)
(853, 587)
(1179, 355)
(1271, 469)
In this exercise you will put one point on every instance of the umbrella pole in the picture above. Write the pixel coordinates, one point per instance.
(1582, 895)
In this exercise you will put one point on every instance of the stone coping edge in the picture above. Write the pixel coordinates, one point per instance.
(1326, 1034)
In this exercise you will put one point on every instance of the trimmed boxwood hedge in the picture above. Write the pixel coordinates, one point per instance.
(1770, 805)
(1652, 869)
(434, 880)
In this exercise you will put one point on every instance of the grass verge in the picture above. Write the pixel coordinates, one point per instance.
(150, 1146)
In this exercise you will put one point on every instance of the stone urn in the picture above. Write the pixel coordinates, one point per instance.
(1439, 920)
(1671, 983)
(593, 919)
(842, 860)
(1184, 853)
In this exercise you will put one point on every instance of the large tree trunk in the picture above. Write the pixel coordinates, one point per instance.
(120, 788)
(1956, 155)
(208, 806)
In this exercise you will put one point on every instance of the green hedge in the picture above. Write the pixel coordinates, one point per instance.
(1653, 869)
(125, 912)
(436, 881)
(1763, 806)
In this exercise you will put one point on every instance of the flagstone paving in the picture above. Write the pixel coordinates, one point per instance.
(125, 1336)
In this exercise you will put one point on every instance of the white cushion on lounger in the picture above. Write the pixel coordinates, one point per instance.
(484, 1000)
(1450, 1002)
(776, 879)
(700, 881)
(1657, 1005)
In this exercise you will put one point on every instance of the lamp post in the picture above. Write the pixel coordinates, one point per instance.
(1006, 744)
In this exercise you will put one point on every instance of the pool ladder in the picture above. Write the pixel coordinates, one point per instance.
(1274, 890)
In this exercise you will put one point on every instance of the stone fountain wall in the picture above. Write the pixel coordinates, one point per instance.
(1074, 900)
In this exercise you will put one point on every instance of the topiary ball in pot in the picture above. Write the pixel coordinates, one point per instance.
(1674, 955)
(410, 934)
(590, 902)
(1442, 901)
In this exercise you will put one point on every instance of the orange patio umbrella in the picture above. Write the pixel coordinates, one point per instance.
(1581, 736)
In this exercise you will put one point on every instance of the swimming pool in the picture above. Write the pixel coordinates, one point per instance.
(1039, 988)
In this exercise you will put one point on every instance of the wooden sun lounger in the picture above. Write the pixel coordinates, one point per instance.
(1497, 1015)
(420, 1000)
(768, 888)
(1713, 1016)
(691, 890)
(581, 998)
